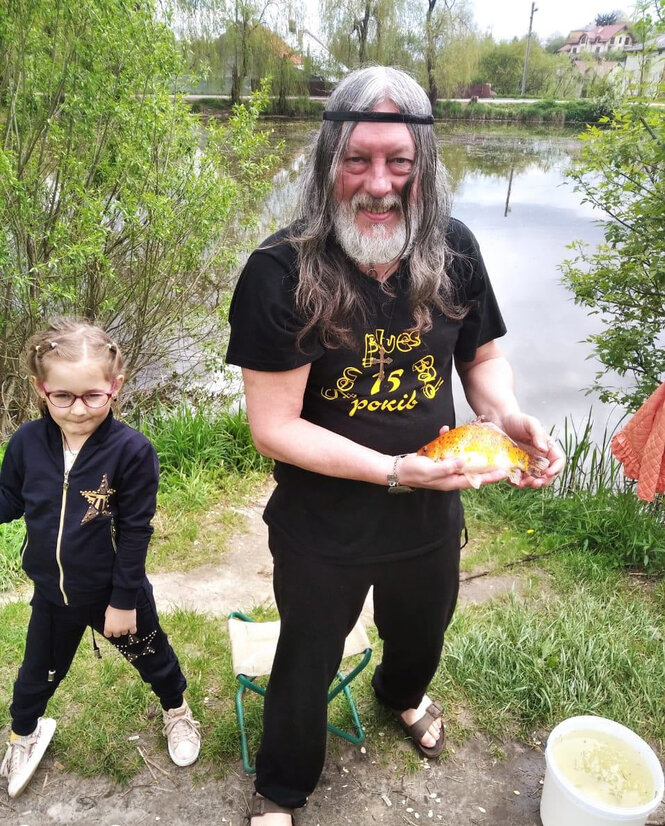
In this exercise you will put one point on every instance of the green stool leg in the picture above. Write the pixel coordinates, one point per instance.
(341, 686)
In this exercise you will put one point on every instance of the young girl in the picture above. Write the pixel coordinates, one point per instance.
(87, 485)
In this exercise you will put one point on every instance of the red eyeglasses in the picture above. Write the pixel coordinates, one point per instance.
(63, 398)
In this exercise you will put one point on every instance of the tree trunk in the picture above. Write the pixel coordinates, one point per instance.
(363, 26)
(430, 53)
(235, 84)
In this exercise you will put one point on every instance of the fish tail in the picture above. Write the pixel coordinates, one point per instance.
(537, 465)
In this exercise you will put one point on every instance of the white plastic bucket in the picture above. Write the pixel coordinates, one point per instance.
(562, 804)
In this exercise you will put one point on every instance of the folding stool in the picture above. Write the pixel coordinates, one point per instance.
(253, 646)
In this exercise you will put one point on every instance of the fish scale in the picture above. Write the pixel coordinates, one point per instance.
(484, 447)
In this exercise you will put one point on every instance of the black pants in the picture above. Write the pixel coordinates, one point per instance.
(54, 633)
(319, 603)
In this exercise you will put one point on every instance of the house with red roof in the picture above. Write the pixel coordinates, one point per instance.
(599, 40)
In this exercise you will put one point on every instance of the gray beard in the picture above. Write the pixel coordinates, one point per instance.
(380, 245)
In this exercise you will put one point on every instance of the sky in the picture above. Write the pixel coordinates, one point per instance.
(508, 18)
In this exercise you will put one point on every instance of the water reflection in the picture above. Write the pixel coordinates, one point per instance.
(522, 248)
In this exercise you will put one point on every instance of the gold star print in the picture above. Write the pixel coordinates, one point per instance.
(98, 500)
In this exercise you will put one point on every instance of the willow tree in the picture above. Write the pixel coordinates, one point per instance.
(116, 203)
(361, 31)
(446, 23)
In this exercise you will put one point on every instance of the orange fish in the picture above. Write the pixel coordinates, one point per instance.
(484, 447)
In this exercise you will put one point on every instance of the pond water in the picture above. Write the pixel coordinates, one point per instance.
(510, 188)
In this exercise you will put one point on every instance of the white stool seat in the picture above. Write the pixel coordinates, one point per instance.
(253, 645)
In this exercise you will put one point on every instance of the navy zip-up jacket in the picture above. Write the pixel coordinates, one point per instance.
(87, 533)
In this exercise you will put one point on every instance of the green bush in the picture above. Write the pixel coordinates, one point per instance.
(622, 280)
(117, 203)
(12, 535)
(542, 111)
(296, 107)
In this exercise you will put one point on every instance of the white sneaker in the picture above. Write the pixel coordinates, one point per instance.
(182, 734)
(24, 755)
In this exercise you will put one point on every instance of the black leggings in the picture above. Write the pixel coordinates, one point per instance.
(54, 634)
(319, 603)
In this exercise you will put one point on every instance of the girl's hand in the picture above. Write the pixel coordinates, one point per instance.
(118, 622)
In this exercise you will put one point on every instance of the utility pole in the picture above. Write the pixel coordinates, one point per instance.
(528, 45)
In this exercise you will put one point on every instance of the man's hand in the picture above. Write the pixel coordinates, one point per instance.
(528, 432)
(421, 472)
(118, 622)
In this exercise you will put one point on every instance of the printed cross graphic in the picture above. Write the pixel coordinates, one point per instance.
(381, 361)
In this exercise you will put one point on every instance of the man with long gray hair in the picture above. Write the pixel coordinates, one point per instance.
(347, 325)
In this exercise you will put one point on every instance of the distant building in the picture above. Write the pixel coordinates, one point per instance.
(331, 70)
(593, 71)
(599, 40)
(644, 70)
(476, 90)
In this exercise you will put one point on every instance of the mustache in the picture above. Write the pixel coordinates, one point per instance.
(385, 204)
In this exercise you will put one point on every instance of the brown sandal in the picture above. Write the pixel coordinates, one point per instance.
(260, 806)
(417, 730)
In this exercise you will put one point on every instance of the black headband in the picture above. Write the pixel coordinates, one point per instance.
(378, 117)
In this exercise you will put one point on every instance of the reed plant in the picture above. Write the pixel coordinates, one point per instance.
(589, 509)
(589, 467)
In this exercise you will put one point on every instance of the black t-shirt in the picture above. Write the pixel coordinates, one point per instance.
(394, 410)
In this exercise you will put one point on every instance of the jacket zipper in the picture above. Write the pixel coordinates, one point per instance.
(65, 488)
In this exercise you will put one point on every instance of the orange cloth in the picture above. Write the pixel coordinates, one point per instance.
(640, 446)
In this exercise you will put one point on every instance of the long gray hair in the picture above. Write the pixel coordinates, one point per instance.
(328, 294)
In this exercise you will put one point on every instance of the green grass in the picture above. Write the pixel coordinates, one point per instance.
(491, 549)
(613, 525)
(12, 536)
(542, 111)
(589, 640)
(593, 647)
(590, 509)
(584, 636)
(196, 516)
(209, 467)
(187, 439)
(102, 703)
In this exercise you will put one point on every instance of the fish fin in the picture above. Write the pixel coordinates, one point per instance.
(537, 465)
(514, 475)
(473, 479)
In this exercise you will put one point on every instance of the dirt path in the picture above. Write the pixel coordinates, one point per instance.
(469, 788)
